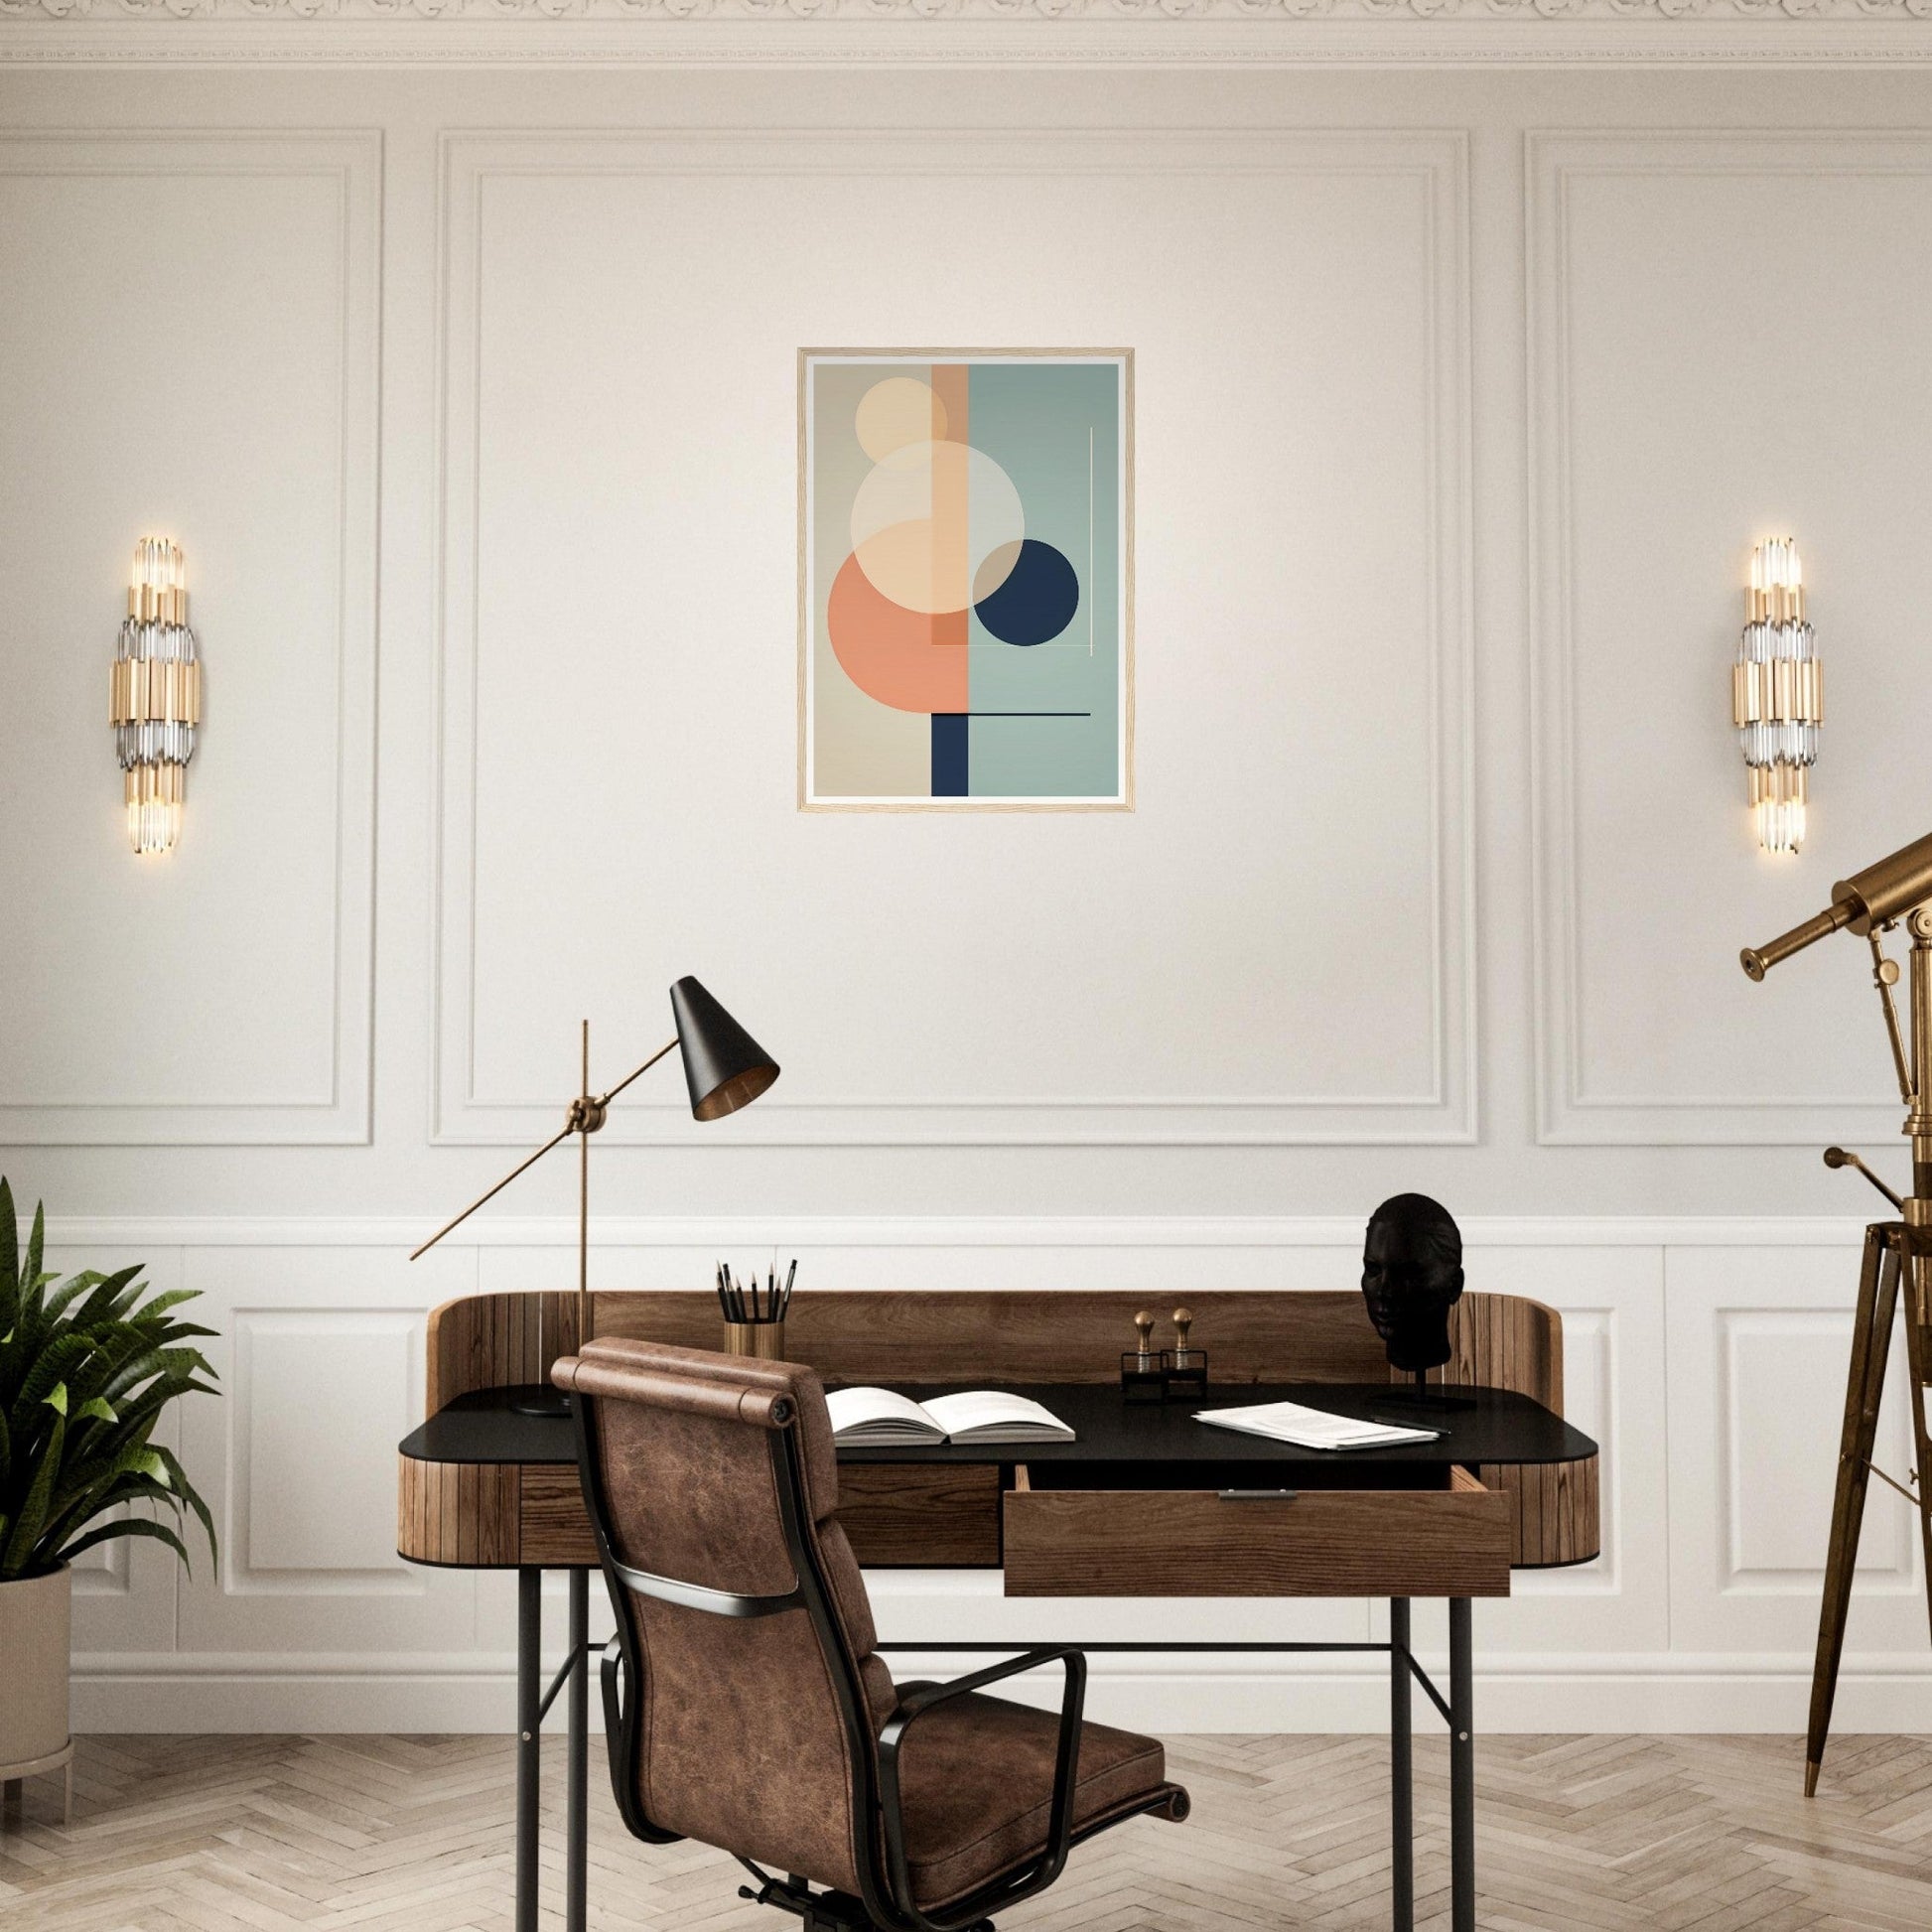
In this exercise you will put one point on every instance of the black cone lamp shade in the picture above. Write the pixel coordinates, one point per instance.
(724, 1066)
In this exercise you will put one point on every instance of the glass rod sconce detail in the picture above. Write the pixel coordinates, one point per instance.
(1777, 695)
(156, 701)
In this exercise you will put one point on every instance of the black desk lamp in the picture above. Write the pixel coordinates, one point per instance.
(725, 1069)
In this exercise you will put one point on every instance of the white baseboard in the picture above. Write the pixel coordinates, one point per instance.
(1538, 1695)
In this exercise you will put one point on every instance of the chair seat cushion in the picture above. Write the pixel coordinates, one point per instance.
(976, 1788)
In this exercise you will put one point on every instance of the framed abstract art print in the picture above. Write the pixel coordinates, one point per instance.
(965, 587)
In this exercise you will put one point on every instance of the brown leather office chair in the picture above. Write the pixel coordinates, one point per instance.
(744, 1703)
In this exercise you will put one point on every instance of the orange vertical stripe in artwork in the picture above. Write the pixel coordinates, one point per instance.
(950, 535)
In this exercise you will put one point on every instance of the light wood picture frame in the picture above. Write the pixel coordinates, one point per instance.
(965, 579)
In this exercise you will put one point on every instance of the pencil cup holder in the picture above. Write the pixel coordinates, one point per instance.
(765, 1339)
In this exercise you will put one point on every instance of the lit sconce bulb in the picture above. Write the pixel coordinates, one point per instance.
(155, 695)
(1777, 695)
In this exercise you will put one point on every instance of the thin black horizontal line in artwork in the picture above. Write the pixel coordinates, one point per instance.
(1020, 713)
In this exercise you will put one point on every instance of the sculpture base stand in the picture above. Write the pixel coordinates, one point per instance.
(1421, 1398)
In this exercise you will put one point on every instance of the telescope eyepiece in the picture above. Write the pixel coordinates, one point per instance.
(1759, 960)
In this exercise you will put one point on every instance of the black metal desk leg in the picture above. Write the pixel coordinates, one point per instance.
(1462, 1771)
(1402, 1788)
(577, 1866)
(529, 1730)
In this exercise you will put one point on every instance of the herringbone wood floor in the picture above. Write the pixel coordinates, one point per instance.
(1658, 1834)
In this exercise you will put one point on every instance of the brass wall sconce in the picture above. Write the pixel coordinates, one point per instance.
(156, 702)
(1777, 695)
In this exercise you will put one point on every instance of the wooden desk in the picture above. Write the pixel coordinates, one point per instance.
(1134, 1507)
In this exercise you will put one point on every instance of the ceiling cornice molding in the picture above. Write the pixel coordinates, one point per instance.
(967, 33)
(1176, 14)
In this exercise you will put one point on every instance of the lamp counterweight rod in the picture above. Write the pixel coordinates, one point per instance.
(563, 1134)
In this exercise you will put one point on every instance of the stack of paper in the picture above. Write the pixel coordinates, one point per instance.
(1290, 1421)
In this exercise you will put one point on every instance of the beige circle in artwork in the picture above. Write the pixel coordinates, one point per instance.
(928, 518)
(995, 568)
(896, 412)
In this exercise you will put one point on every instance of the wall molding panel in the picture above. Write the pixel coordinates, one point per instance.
(1760, 1342)
(1437, 165)
(1330, 1235)
(350, 162)
(1571, 1111)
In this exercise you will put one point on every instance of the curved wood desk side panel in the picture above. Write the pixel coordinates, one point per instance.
(496, 1342)
(1508, 1341)
(453, 1514)
(1505, 1341)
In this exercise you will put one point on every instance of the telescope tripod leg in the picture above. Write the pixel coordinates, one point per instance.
(1917, 1351)
(1870, 1346)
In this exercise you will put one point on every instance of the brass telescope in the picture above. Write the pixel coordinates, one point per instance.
(1898, 1254)
(1875, 896)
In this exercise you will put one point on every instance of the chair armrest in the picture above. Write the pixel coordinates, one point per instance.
(1066, 1764)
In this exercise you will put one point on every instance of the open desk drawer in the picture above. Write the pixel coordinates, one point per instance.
(1067, 1534)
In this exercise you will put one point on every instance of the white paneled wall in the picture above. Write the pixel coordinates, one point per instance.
(1710, 1369)
(470, 392)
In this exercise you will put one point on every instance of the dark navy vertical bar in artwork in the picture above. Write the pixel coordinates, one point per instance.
(949, 754)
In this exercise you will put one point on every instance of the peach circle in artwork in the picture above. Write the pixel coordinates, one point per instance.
(908, 660)
(926, 518)
(896, 412)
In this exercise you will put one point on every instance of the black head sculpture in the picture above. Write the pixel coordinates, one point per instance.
(1412, 1276)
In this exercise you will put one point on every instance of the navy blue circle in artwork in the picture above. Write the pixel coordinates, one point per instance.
(1037, 599)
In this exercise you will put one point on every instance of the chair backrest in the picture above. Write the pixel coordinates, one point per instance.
(712, 1483)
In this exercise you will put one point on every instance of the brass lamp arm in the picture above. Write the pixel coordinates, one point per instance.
(646, 1068)
(586, 1114)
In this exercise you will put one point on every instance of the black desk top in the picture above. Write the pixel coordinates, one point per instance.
(1478, 1425)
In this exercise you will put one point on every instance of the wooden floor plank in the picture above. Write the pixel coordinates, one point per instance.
(1588, 1834)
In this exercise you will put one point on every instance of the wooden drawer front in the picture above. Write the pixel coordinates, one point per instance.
(1449, 1542)
(922, 1513)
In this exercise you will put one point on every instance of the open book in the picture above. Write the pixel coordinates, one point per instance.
(880, 1419)
(1290, 1421)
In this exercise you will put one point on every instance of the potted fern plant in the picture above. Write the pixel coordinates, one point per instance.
(86, 1370)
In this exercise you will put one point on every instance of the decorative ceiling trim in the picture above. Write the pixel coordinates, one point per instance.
(966, 34)
(939, 11)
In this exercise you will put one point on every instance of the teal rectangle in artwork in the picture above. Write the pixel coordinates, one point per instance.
(966, 520)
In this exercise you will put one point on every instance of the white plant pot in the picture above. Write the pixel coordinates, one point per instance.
(36, 1619)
